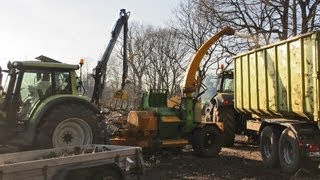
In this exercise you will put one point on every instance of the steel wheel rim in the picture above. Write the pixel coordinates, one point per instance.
(72, 131)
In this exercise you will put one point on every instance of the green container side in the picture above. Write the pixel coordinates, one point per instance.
(238, 84)
(253, 81)
(272, 77)
(280, 79)
(261, 81)
(245, 83)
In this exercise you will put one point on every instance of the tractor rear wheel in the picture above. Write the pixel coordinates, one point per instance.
(226, 115)
(66, 125)
(207, 141)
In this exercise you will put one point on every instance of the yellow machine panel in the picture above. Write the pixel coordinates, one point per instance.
(145, 120)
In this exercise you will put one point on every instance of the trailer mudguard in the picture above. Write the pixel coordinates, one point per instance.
(299, 127)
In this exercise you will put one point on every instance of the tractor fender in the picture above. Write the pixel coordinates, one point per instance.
(43, 107)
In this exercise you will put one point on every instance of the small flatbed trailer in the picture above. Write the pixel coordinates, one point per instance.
(74, 162)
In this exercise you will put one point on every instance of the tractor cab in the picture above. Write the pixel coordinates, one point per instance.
(225, 88)
(225, 82)
(30, 83)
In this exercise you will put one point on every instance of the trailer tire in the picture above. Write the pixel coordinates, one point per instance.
(289, 153)
(269, 143)
(207, 141)
(71, 124)
(226, 115)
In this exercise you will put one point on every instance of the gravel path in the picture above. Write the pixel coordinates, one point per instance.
(243, 161)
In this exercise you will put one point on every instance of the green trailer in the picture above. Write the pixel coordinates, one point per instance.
(276, 99)
(280, 79)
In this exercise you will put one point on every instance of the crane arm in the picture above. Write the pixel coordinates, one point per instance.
(100, 70)
(189, 82)
(121, 22)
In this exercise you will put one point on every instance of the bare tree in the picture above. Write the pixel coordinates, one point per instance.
(264, 20)
(155, 58)
(168, 55)
(176, 53)
(195, 27)
(140, 49)
(256, 23)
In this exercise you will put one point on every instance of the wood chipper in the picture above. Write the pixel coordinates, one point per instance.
(157, 125)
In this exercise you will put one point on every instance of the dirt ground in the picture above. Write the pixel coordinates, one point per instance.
(243, 161)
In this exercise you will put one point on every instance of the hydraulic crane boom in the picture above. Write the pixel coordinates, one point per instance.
(100, 70)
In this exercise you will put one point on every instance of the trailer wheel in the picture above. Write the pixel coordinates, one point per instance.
(289, 153)
(65, 125)
(269, 142)
(207, 141)
(226, 115)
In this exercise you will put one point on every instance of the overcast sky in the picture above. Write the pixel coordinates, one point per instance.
(68, 30)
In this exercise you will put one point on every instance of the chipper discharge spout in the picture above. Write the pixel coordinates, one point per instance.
(190, 83)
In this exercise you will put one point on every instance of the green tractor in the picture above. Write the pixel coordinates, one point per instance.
(39, 106)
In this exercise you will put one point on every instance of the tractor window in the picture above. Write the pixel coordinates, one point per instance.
(63, 85)
(35, 83)
(6, 82)
(210, 83)
(227, 85)
(28, 84)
